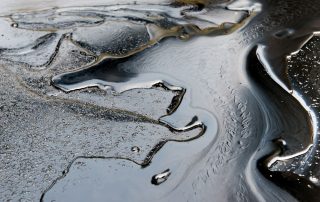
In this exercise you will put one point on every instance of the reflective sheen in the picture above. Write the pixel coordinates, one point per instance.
(186, 100)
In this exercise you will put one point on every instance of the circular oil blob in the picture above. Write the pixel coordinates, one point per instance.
(135, 149)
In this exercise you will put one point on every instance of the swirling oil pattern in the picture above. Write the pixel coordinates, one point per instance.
(186, 100)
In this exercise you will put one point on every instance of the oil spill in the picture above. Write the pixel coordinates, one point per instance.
(184, 100)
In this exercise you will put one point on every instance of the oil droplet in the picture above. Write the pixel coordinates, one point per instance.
(313, 179)
(161, 177)
(15, 25)
(135, 149)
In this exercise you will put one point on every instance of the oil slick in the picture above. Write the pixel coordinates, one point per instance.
(264, 116)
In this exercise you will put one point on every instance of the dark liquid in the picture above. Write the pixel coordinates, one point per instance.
(233, 114)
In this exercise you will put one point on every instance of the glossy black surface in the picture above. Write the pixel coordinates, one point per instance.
(165, 101)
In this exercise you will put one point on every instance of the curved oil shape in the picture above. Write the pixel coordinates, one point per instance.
(262, 55)
(288, 118)
(283, 28)
(270, 63)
